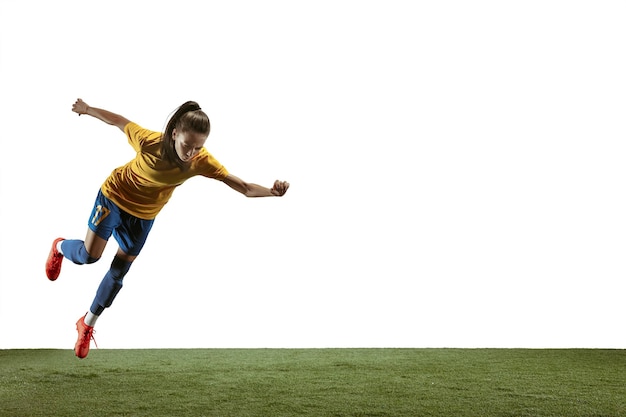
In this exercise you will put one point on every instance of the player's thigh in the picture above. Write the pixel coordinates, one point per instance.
(131, 235)
(94, 244)
(123, 255)
(104, 218)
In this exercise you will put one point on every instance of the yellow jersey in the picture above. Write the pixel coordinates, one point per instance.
(145, 184)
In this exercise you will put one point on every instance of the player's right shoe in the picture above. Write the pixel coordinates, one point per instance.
(53, 264)
(85, 335)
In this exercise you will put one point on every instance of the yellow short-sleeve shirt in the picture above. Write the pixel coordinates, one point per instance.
(145, 184)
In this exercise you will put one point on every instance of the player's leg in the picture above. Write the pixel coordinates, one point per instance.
(110, 285)
(85, 251)
(78, 251)
(131, 236)
(104, 217)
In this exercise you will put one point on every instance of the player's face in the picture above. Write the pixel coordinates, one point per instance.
(188, 144)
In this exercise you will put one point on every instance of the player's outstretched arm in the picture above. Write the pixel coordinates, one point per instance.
(254, 190)
(106, 116)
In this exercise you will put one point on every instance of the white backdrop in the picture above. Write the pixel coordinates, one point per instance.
(457, 172)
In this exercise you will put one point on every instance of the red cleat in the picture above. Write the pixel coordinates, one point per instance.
(85, 335)
(53, 264)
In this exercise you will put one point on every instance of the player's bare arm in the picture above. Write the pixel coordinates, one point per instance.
(254, 190)
(106, 116)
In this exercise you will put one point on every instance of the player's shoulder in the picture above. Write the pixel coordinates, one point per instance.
(140, 133)
(206, 164)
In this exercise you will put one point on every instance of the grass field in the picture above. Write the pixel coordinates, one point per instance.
(314, 382)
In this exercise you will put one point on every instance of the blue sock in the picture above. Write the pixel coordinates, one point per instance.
(111, 284)
(75, 251)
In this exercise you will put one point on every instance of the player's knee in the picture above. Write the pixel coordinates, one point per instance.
(75, 251)
(86, 259)
(84, 256)
(91, 260)
(119, 268)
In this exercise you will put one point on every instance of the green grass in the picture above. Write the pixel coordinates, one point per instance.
(314, 382)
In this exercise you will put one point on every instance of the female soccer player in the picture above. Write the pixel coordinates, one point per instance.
(132, 196)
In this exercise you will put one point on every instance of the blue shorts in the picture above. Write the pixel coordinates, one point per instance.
(129, 231)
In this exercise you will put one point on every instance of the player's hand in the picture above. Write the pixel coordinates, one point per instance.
(80, 107)
(280, 188)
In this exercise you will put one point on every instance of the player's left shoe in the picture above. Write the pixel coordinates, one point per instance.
(53, 264)
(85, 336)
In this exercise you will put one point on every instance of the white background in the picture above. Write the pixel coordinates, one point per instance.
(457, 172)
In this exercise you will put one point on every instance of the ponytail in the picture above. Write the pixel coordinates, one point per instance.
(188, 117)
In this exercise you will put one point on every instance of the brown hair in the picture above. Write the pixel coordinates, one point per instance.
(189, 117)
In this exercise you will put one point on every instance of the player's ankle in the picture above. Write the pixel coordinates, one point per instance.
(90, 319)
(58, 247)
